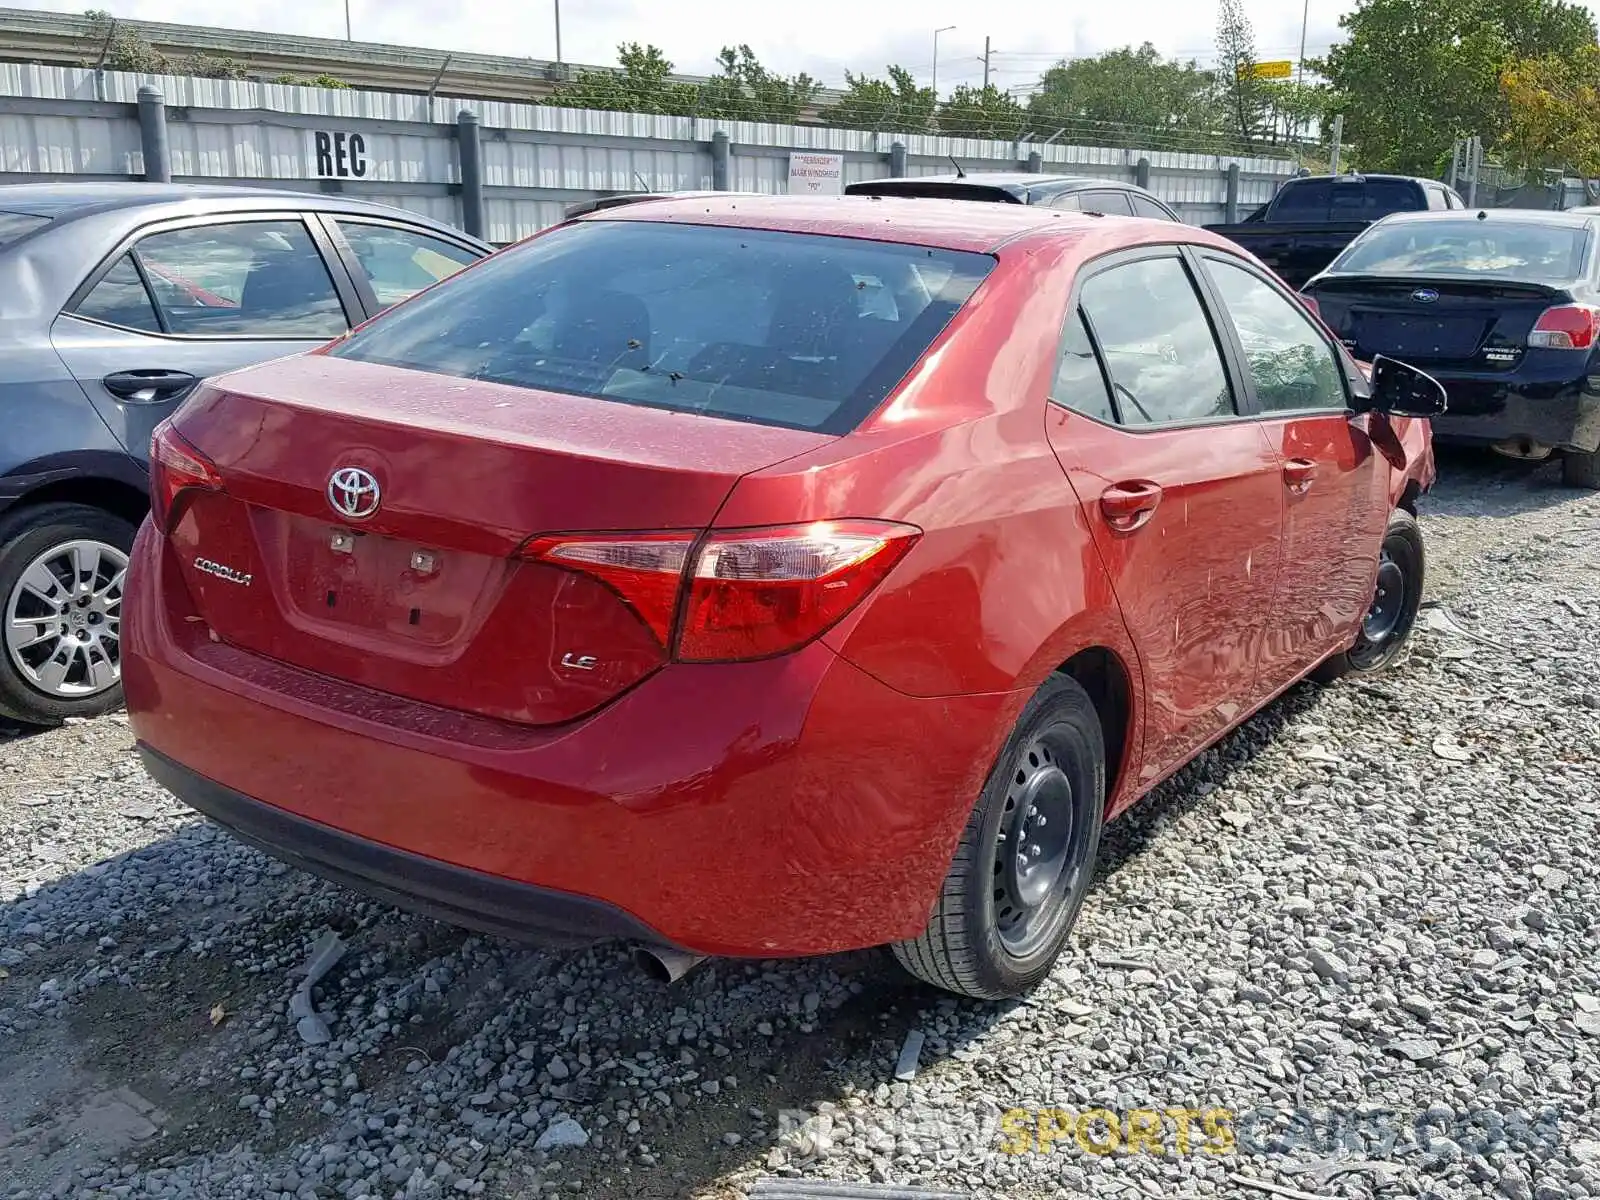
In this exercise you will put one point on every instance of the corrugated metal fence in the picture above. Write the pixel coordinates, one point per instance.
(407, 149)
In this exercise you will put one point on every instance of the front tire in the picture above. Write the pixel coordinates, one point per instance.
(1026, 857)
(62, 568)
(1397, 598)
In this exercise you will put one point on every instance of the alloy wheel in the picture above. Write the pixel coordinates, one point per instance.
(63, 620)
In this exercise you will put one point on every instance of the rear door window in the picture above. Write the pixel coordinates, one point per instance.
(121, 299)
(249, 279)
(399, 263)
(1143, 206)
(788, 329)
(1160, 350)
(1080, 384)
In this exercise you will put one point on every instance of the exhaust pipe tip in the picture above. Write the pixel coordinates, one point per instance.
(664, 965)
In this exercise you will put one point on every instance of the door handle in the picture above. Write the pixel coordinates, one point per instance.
(1299, 474)
(148, 387)
(1127, 506)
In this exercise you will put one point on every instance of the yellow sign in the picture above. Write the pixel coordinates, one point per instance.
(1273, 70)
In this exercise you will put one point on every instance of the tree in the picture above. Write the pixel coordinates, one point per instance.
(642, 84)
(1414, 75)
(1553, 113)
(985, 112)
(747, 91)
(1244, 94)
(896, 104)
(1128, 96)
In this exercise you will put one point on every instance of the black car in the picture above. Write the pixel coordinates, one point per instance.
(1109, 196)
(1304, 226)
(119, 298)
(1502, 306)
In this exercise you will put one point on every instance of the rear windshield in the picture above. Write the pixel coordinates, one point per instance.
(1306, 201)
(1515, 250)
(17, 225)
(787, 329)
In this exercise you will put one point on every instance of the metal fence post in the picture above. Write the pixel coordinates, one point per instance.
(1231, 204)
(1035, 162)
(897, 160)
(153, 136)
(469, 149)
(1141, 172)
(721, 154)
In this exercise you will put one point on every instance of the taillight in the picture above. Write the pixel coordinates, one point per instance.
(1311, 303)
(645, 569)
(175, 467)
(1565, 327)
(738, 594)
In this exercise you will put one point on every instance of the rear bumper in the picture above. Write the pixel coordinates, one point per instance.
(1483, 412)
(792, 806)
(448, 893)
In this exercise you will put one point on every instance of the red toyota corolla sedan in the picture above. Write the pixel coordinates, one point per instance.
(764, 577)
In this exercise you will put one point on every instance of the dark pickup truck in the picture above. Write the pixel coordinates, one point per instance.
(1303, 228)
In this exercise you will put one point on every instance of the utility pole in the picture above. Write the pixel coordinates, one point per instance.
(558, 32)
(985, 64)
(347, 36)
(1338, 136)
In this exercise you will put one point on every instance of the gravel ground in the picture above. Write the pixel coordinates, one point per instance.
(1365, 926)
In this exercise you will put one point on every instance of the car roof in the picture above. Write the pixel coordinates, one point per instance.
(1527, 216)
(62, 202)
(946, 224)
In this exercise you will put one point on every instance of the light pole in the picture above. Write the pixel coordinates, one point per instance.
(558, 32)
(347, 36)
(1300, 63)
(936, 33)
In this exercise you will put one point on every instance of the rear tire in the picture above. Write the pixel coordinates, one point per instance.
(998, 927)
(1393, 613)
(1581, 470)
(61, 571)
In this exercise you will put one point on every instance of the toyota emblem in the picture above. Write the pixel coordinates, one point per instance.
(353, 493)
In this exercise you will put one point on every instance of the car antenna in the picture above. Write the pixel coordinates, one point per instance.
(960, 174)
(640, 179)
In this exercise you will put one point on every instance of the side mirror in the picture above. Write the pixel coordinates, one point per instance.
(1401, 390)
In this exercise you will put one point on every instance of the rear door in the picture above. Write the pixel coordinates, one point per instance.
(1180, 488)
(183, 300)
(1334, 487)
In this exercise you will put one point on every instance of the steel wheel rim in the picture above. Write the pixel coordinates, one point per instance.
(63, 618)
(1036, 848)
(1388, 602)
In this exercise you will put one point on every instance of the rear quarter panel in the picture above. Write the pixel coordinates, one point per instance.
(1005, 584)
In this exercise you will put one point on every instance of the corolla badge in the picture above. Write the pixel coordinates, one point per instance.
(353, 493)
(1424, 295)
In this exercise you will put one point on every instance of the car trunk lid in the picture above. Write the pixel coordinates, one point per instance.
(1435, 322)
(426, 596)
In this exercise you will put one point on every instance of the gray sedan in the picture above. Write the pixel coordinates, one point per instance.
(115, 300)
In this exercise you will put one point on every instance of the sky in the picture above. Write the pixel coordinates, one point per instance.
(824, 38)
